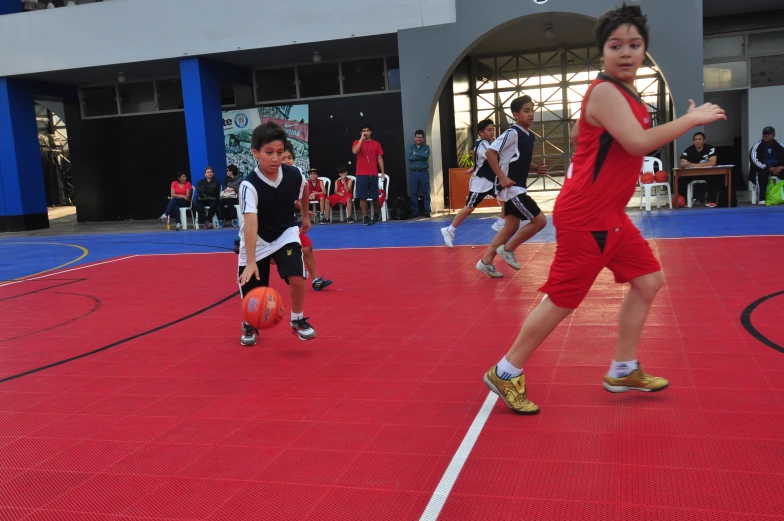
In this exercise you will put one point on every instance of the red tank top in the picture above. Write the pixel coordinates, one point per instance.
(603, 174)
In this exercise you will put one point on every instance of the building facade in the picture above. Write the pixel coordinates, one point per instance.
(147, 88)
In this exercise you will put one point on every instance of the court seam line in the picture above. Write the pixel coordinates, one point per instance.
(441, 493)
(18, 281)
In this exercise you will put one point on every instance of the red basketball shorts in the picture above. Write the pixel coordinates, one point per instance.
(334, 199)
(580, 257)
(305, 240)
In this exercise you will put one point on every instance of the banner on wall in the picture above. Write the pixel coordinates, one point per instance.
(238, 128)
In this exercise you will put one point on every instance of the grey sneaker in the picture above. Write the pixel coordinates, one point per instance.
(249, 335)
(448, 237)
(302, 329)
(488, 269)
(508, 257)
(496, 228)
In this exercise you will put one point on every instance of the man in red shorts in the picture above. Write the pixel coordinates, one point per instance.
(592, 228)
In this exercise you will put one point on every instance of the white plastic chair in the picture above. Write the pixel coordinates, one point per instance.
(384, 185)
(690, 191)
(184, 214)
(645, 188)
(326, 182)
(754, 188)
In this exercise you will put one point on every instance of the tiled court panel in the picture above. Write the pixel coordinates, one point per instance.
(183, 423)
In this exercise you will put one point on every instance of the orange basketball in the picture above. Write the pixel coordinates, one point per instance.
(661, 176)
(647, 178)
(262, 308)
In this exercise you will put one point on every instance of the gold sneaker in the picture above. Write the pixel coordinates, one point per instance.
(636, 381)
(511, 391)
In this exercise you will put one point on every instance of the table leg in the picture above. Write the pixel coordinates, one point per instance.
(729, 189)
(675, 202)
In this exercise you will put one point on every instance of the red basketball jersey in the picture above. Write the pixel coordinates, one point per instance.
(603, 175)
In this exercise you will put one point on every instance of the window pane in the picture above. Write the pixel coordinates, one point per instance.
(393, 72)
(766, 43)
(227, 93)
(137, 97)
(275, 84)
(99, 101)
(319, 80)
(722, 47)
(725, 75)
(363, 76)
(767, 71)
(169, 94)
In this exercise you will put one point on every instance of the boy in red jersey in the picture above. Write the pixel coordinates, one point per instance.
(613, 134)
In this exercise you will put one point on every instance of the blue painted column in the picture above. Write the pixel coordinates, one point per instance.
(10, 6)
(203, 117)
(22, 192)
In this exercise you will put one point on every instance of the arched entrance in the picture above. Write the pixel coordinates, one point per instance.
(547, 54)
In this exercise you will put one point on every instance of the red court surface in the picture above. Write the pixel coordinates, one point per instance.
(173, 419)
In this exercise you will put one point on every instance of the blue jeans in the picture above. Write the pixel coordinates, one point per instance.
(419, 181)
(173, 210)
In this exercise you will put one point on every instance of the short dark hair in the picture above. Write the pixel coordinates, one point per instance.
(363, 127)
(484, 124)
(698, 134)
(289, 147)
(233, 169)
(614, 18)
(419, 133)
(312, 171)
(180, 174)
(342, 168)
(517, 103)
(267, 133)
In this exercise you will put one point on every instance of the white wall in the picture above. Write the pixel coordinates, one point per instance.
(765, 108)
(123, 31)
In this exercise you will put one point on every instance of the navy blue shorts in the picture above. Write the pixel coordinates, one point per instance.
(367, 187)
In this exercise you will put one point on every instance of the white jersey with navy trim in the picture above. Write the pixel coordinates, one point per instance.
(508, 151)
(481, 183)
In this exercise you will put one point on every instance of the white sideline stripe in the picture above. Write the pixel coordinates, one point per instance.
(444, 487)
(66, 271)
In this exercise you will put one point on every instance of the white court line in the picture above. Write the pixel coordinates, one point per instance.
(66, 271)
(440, 495)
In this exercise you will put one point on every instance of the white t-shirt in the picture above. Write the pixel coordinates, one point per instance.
(480, 184)
(249, 204)
(506, 146)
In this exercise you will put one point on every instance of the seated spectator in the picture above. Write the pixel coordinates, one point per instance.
(318, 193)
(289, 157)
(701, 155)
(766, 159)
(180, 197)
(229, 196)
(207, 194)
(344, 194)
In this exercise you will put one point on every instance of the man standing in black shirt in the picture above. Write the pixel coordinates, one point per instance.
(701, 155)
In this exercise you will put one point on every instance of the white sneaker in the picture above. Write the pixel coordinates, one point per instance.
(496, 228)
(488, 269)
(761, 203)
(448, 237)
(508, 257)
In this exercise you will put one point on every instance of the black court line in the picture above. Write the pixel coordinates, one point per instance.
(96, 307)
(69, 281)
(745, 320)
(119, 342)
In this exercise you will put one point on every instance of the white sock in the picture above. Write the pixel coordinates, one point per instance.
(500, 222)
(621, 369)
(297, 316)
(451, 229)
(507, 371)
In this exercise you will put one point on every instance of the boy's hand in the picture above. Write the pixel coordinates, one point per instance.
(251, 270)
(707, 113)
(305, 225)
(505, 182)
(541, 169)
(469, 171)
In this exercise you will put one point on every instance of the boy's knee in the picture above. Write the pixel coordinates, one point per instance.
(540, 221)
(648, 285)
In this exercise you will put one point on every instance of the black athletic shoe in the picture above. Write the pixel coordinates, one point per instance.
(302, 329)
(377, 218)
(248, 337)
(366, 221)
